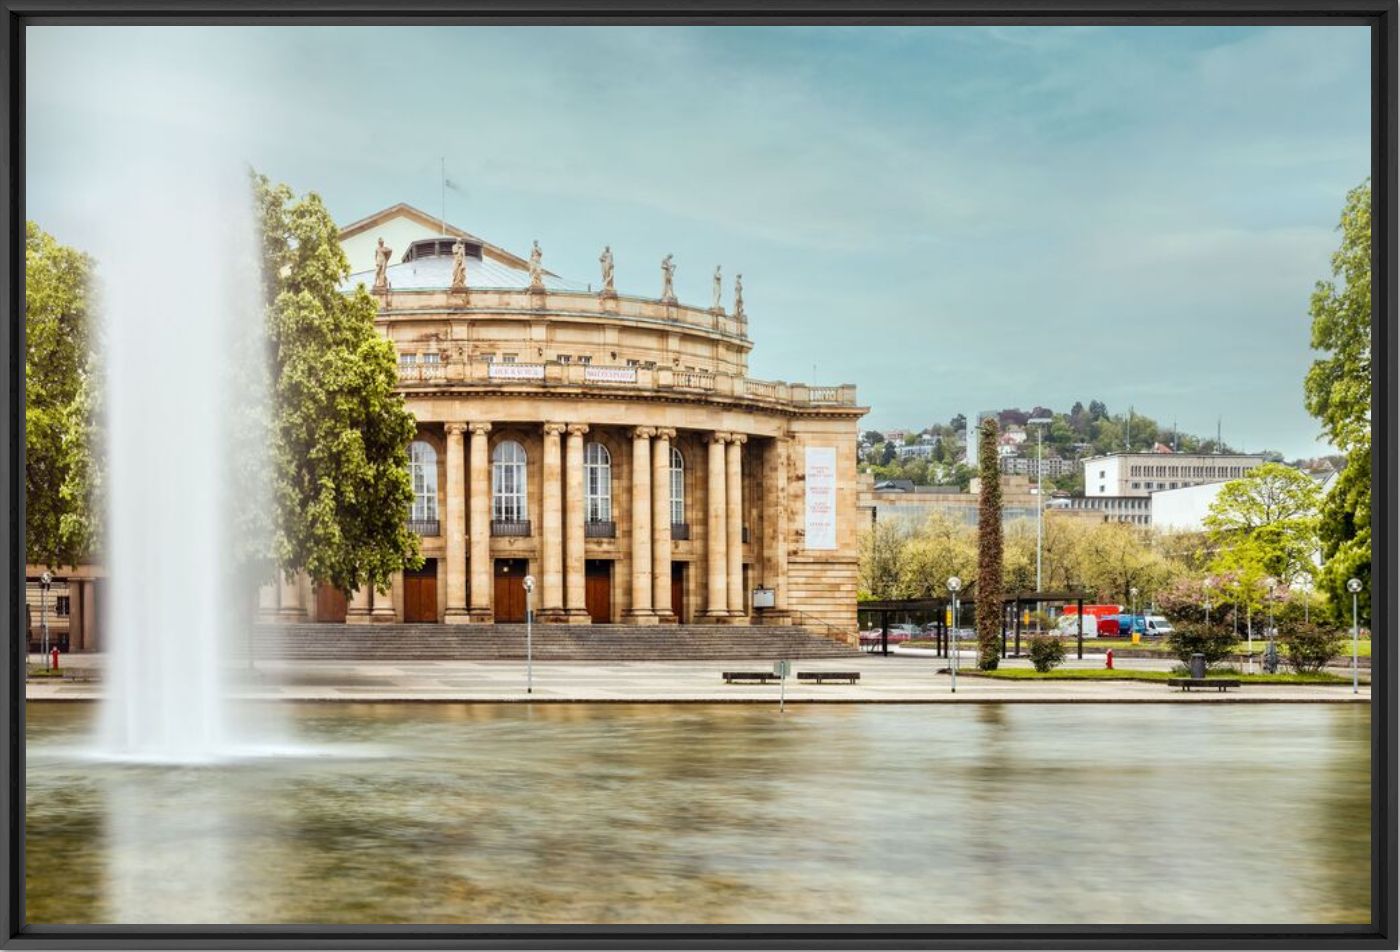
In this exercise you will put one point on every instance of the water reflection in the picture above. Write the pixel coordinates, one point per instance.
(725, 813)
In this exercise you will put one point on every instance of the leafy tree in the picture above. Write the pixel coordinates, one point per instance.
(989, 549)
(942, 548)
(1267, 519)
(888, 454)
(1097, 410)
(62, 403)
(1337, 391)
(881, 553)
(1120, 557)
(339, 431)
(872, 437)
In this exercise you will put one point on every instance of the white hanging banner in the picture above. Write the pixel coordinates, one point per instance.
(821, 497)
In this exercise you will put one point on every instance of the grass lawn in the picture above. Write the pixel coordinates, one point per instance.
(1118, 674)
(1160, 647)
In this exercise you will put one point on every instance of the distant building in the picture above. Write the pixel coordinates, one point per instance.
(1030, 466)
(916, 450)
(1183, 509)
(1140, 474)
(900, 500)
(1134, 509)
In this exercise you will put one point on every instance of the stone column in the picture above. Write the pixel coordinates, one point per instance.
(641, 611)
(289, 607)
(775, 523)
(575, 605)
(91, 623)
(716, 557)
(734, 525)
(383, 611)
(456, 529)
(75, 614)
(551, 530)
(267, 603)
(357, 612)
(479, 529)
(661, 524)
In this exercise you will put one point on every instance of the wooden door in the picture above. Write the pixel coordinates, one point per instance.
(330, 604)
(678, 590)
(510, 590)
(420, 593)
(597, 590)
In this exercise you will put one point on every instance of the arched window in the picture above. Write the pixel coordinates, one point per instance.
(508, 482)
(677, 487)
(422, 469)
(597, 483)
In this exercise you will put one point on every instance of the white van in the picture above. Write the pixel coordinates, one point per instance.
(1157, 626)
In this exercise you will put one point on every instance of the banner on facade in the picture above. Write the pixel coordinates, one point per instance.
(500, 371)
(821, 497)
(593, 374)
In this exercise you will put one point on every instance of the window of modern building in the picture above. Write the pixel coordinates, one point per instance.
(677, 487)
(508, 482)
(1137, 485)
(422, 470)
(597, 483)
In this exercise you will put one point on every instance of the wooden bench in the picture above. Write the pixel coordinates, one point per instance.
(762, 677)
(1186, 684)
(850, 677)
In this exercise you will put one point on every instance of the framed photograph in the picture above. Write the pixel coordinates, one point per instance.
(792, 475)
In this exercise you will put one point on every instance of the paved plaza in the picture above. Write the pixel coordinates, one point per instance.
(892, 679)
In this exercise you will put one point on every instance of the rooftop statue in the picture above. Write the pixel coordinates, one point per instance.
(536, 275)
(607, 262)
(738, 295)
(381, 265)
(719, 290)
(668, 272)
(459, 266)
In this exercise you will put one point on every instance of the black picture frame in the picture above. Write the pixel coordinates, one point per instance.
(1379, 15)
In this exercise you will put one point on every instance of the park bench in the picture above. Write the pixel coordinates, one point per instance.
(762, 677)
(850, 677)
(1186, 684)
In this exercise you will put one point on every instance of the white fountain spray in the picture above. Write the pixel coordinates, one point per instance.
(182, 327)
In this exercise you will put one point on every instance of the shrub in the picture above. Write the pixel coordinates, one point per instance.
(1216, 642)
(1310, 647)
(1046, 652)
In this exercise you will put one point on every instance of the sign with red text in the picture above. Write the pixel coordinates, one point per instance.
(821, 497)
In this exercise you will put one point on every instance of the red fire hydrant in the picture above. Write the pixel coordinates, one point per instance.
(53, 657)
(1108, 659)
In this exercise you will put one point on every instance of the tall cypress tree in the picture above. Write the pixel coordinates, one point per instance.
(339, 431)
(989, 549)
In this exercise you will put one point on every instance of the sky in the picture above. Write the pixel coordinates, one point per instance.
(951, 218)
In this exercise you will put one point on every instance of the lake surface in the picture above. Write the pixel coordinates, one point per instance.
(482, 813)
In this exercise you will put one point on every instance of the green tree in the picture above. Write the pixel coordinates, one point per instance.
(940, 549)
(1337, 391)
(1266, 519)
(62, 403)
(989, 548)
(339, 431)
(881, 556)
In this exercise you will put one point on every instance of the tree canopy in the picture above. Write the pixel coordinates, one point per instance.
(1266, 522)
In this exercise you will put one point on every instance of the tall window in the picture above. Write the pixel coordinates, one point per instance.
(422, 468)
(508, 482)
(597, 483)
(677, 487)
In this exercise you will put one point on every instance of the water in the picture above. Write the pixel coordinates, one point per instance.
(487, 813)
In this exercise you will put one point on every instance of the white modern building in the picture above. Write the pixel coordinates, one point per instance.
(1183, 509)
(1141, 474)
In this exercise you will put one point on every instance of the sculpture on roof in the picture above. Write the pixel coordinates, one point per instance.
(719, 291)
(668, 272)
(536, 273)
(459, 265)
(738, 295)
(607, 262)
(381, 265)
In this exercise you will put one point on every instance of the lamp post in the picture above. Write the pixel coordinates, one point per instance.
(954, 585)
(1354, 586)
(1039, 423)
(45, 581)
(529, 583)
(1271, 652)
(1132, 626)
(1205, 587)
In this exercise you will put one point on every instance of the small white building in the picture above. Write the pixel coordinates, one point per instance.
(1183, 509)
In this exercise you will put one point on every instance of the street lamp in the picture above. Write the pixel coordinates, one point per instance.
(1132, 626)
(45, 581)
(529, 583)
(1271, 652)
(1040, 423)
(1205, 587)
(1354, 586)
(954, 586)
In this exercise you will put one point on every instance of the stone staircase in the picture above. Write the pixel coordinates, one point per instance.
(506, 642)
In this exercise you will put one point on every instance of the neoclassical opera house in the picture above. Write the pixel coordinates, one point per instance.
(611, 445)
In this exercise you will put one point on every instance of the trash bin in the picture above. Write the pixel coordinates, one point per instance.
(1198, 666)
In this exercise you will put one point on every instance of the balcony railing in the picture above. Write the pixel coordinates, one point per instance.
(423, 527)
(680, 530)
(598, 529)
(510, 527)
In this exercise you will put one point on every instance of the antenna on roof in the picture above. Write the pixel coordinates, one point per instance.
(1176, 438)
(1217, 435)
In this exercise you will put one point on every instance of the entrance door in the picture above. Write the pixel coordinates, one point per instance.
(420, 593)
(597, 590)
(510, 590)
(678, 590)
(330, 604)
